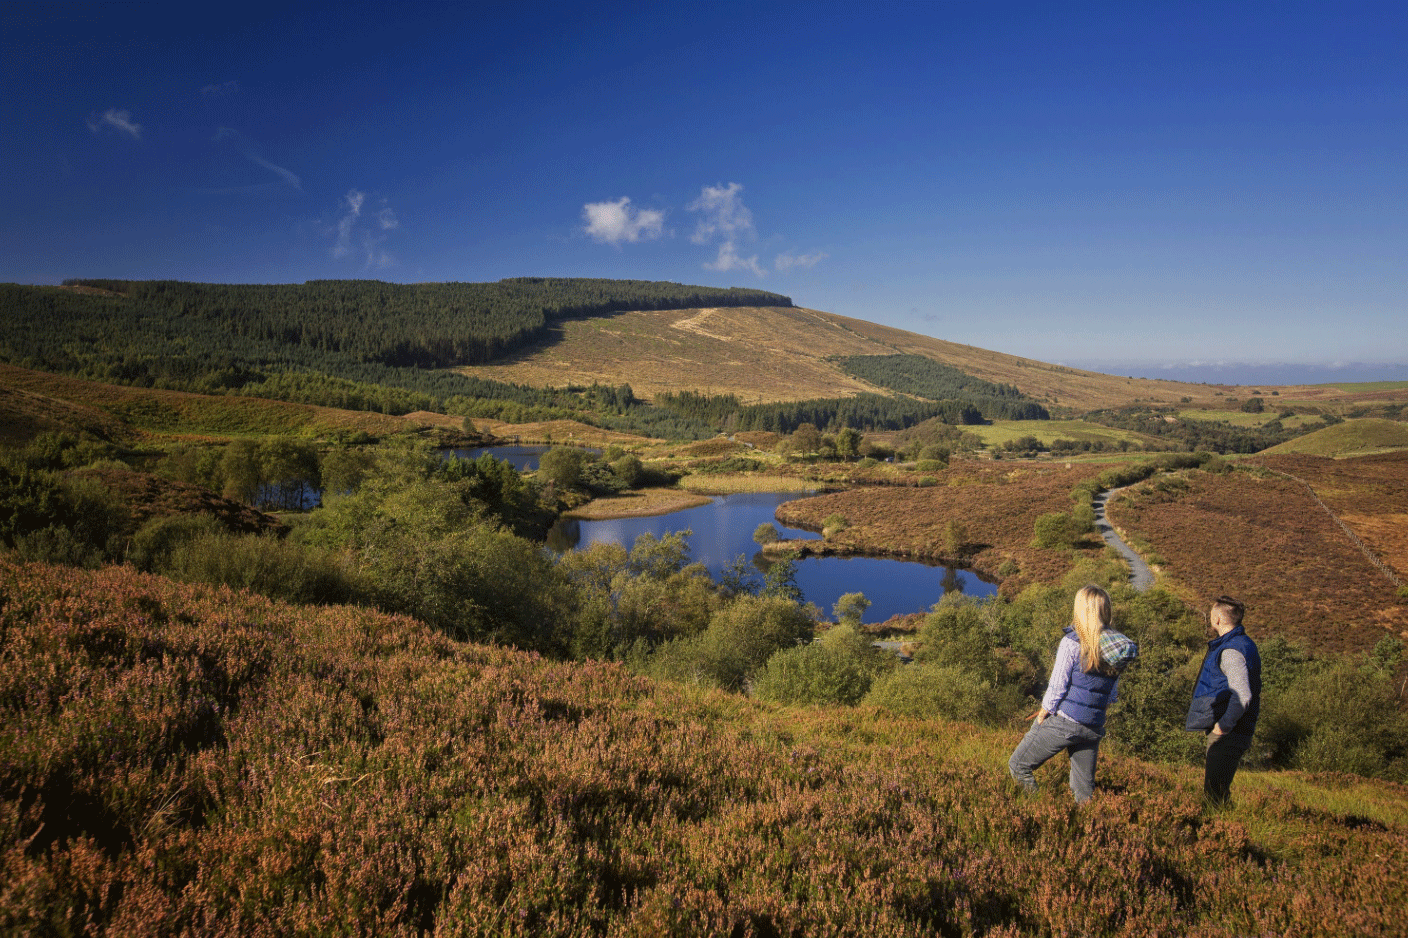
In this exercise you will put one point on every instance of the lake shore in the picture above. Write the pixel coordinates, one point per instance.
(640, 503)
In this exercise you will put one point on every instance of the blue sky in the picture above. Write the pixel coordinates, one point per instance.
(1133, 186)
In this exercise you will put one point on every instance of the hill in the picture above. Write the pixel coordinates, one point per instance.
(34, 402)
(179, 759)
(1361, 437)
(784, 354)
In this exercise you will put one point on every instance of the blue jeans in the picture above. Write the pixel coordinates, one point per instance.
(1045, 740)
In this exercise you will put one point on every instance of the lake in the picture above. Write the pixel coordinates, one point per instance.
(724, 529)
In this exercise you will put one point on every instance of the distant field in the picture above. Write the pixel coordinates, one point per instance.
(1351, 438)
(1241, 419)
(1049, 431)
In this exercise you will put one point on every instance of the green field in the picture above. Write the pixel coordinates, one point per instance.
(1238, 418)
(1351, 438)
(1048, 431)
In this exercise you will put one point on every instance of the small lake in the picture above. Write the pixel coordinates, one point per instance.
(523, 458)
(724, 529)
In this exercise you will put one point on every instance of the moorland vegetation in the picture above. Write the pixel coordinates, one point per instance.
(390, 710)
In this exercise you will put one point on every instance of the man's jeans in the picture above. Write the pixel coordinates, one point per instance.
(1045, 740)
(1224, 755)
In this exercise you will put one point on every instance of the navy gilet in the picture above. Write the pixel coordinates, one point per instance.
(1088, 694)
(1211, 696)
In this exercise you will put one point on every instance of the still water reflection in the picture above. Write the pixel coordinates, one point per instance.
(724, 529)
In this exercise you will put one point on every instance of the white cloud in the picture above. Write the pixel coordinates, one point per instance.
(250, 153)
(789, 260)
(222, 89)
(347, 232)
(724, 214)
(724, 217)
(728, 259)
(614, 222)
(120, 119)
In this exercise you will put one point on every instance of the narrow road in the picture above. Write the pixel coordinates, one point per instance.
(1140, 576)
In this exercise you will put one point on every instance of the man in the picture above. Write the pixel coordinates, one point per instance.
(1227, 699)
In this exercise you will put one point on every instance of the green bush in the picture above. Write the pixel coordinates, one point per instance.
(265, 565)
(741, 637)
(932, 691)
(156, 540)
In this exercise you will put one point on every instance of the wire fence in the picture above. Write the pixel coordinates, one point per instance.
(1364, 548)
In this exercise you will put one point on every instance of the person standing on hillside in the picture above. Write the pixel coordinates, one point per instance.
(1084, 682)
(1227, 699)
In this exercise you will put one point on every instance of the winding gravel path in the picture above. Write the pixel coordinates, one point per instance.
(1140, 576)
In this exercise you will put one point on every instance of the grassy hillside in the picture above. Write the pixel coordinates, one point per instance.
(33, 402)
(779, 354)
(1351, 438)
(177, 759)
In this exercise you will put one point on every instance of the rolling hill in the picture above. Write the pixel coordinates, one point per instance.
(1360, 437)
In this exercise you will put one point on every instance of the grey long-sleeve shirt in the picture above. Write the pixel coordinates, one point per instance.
(1234, 666)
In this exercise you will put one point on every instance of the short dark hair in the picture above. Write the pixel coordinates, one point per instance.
(1232, 607)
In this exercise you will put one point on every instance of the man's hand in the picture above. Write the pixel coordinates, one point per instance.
(1041, 716)
(1216, 730)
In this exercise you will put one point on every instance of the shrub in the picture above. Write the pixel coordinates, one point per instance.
(265, 565)
(741, 637)
(1057, 530)
(932, 691)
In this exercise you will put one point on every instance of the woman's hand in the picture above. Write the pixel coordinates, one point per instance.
(1041, 716)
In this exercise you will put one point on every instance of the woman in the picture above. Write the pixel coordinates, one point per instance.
(1083, 684)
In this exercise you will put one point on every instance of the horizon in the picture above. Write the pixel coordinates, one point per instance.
(1210, 190)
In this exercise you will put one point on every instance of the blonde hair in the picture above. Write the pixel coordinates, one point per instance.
(1091, 616)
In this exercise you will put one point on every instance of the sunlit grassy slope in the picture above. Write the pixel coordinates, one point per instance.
(777, 354)
(178, 759)
(1351, 438)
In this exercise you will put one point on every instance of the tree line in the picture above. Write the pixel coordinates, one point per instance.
(361, 345)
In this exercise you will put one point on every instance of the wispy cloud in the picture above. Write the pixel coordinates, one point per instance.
(249, 152)
(349, 232)
(729, 259)
(789, 260)
(616, 222)
(724, 217)
(222, 89)
(723, 214)
(118, 119)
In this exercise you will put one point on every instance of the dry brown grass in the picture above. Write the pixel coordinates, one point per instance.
(565, 432)
(1264, 540)
(637, 504)
(779, 354)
